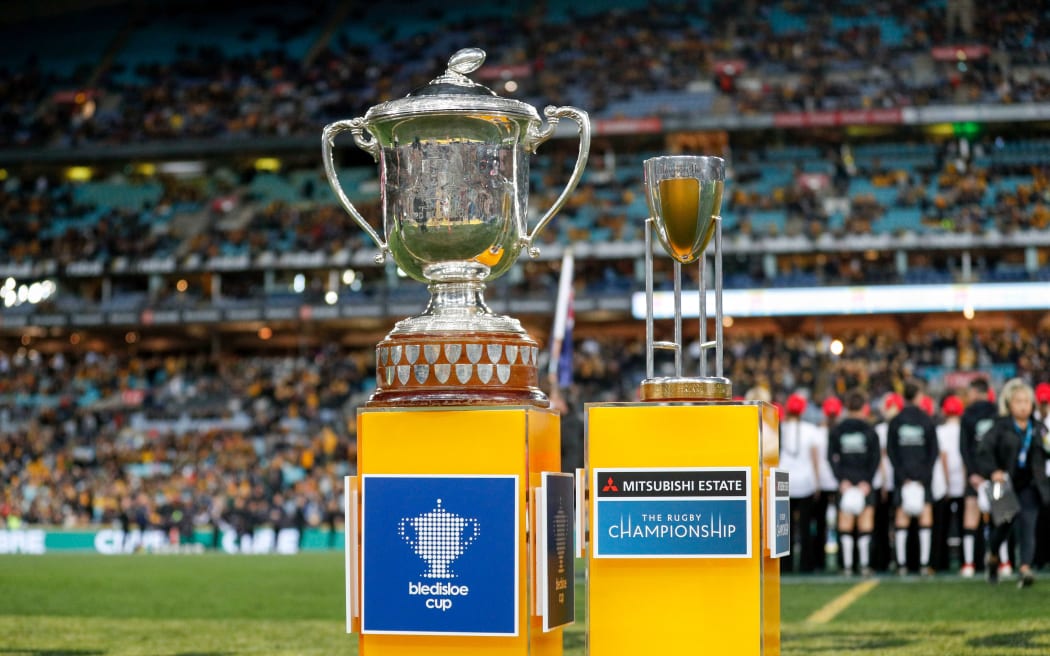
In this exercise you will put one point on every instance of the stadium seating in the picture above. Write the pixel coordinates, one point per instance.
(312, 65)
(228, 86)
(288, 416)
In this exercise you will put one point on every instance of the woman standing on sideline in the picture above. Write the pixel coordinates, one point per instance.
(798, 455)
(1014, 447)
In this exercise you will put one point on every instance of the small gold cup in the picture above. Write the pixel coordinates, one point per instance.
(684, 194)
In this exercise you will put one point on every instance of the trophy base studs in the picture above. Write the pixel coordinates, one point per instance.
(686, 389)
(451, 369)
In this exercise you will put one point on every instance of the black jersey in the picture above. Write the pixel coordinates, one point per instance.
(853, 451)
(976, 420)
(911, 444)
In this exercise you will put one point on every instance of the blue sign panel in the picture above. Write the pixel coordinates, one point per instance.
(440, 555)
(672, 513)
(557, 570)
(779, 539)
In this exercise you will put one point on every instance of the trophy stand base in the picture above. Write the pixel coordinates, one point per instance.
(686, 389)
(434, 369)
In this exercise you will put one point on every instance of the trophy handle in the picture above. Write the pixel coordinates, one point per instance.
(554, 114)
(368, 144)
(404, 533)
(467, 540)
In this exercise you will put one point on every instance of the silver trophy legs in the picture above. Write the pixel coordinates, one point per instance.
(678, 318)
(703, 314)
(718, 296)
(649, 366)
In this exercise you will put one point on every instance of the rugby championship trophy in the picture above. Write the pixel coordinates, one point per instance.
(682, 507)
(684, 194)
(454, 171)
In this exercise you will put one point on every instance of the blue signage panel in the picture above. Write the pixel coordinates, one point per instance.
(779, 538)
(557, 571)
(672, 513)
(440, 555)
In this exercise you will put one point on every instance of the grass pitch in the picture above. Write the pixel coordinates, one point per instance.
(217, 605)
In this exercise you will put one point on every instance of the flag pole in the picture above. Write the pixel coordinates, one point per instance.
(561, 316)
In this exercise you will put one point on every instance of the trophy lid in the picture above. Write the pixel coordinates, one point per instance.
(453, 92)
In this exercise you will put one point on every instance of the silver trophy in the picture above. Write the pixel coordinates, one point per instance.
(454, 172)
(684, 194)
(439, 537)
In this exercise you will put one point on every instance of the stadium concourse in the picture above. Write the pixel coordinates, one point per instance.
(188, 318)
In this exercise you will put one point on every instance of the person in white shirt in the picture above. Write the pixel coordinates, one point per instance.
(949, 481)
(826, 540)
(1042, 413)
(1042, 403)
(798, 455)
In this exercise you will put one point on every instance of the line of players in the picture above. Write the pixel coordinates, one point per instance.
(869, 483)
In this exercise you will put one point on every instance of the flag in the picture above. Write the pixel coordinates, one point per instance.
(565, 357)
(560, 370)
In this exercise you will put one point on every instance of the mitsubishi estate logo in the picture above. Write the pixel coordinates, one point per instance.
(439, 537)
(610, 486)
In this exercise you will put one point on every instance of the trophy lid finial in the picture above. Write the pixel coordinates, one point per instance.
(466, 61)
(460, 64)
(452, 93)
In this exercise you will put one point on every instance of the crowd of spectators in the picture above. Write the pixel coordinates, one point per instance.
(228, 213)
(750, 56)
(176, 440)
(772, 367)
(183, 440)
(44, 217)
(785, 56)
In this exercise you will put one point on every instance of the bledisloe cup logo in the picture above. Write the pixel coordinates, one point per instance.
(562, 526)
(439, 554)
(439, 537)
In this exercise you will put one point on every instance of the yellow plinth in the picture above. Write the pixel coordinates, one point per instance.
(678, 605)
(494, 441)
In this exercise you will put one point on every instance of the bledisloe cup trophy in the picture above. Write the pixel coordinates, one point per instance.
(684, 194)
(454, 173)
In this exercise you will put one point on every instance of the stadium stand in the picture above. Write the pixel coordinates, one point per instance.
(100, 438)
(167, 167)
(242, 72)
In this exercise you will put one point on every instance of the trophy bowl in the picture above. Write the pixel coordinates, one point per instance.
(454, 185)
(684, 193)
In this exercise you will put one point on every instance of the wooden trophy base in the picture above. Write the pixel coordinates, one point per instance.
(457, 369)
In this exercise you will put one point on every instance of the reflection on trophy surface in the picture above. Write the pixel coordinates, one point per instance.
(454, 174)
(684, 194)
